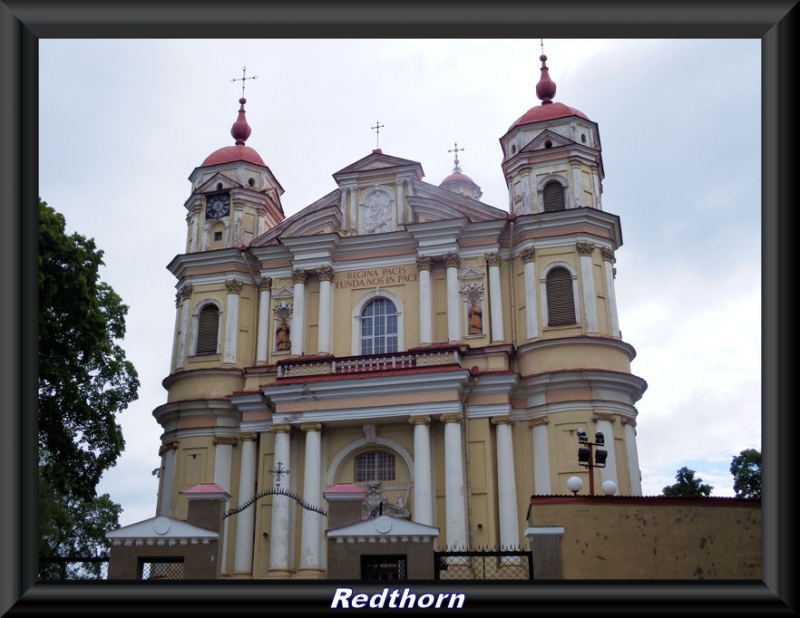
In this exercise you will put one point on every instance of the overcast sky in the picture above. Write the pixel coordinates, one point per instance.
(124, 122)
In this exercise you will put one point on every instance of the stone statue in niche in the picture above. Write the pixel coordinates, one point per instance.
(378, 213)
(283, 342)
(475, 314)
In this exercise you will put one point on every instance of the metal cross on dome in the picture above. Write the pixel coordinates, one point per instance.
(242, 78)
(456, 149)
(377, 128)
(279, 472)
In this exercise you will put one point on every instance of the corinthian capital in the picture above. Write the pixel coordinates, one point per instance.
(325, 273)
(528, 255)
(424, 262)
(233, 286)
(299, 276)
(452, 260)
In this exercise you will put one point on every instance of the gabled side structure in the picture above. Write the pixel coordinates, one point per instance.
(400, 336)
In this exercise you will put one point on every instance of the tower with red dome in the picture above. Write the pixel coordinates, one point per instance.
(551, 156)
(235, 181)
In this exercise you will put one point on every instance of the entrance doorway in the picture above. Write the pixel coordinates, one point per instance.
(383, 567)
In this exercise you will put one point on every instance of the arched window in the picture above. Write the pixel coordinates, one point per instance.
(207, 330)
(560, 298)
(379, 327)
(374, 466)
(553, 196)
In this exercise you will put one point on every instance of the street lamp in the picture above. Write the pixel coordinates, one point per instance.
(591, 459)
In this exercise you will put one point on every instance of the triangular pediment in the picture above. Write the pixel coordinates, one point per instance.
(377, 164)
(541, 141)
(218, 182)
(161, 528)
(385, 527)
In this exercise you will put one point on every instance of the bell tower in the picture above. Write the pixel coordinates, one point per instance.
(551, 156)
(235, 197)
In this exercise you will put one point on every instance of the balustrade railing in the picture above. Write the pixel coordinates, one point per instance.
(304, 367)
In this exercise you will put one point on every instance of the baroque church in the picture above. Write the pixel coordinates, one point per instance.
(403, 337)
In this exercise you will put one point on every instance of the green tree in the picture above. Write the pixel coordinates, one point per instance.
(84, 377)
(746, 471)
(69, 527)
(687, 485)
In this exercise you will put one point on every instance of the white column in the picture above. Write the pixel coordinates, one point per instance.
(262, 339)
(279, 531)
(423, 494)
(633, 456)
(541, 457)
(506, 484)
(169, 451)
(609, 473)
(455, 499)
(299, 277)
(245, 520)
(453, 313)
(311, 541)
(400, 201)
(182, 300)
(585, 250)
(531, 309)
(353, 209)
(424, 266)
(608, 269)
(597, 192)
(325, 274)
(234, 287)
(495, 296)
(223, 452)
(577, 191)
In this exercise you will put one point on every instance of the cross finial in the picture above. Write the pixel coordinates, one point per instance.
(279, 472)
(456, 149)
(542, 44)
(377, 128)
(242, 78)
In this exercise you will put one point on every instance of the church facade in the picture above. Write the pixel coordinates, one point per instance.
(400, 336)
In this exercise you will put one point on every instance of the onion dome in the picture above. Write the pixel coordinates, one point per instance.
(240, 131)
(548, 110)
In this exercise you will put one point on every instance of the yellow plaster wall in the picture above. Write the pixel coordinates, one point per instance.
(644, 538)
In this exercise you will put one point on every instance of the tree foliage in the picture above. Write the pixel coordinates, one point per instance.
(84, 381)
(69, 527)
(687, 485)
(84, 378)
(746, 471)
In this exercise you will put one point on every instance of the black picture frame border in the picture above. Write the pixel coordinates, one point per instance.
(24, 22)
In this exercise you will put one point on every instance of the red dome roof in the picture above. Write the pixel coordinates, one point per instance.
(230, 154)
(547, 111)
(545, 91)
(457, 177)
(240, 131)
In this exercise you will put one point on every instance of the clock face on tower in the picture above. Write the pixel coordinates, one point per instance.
(217, 205)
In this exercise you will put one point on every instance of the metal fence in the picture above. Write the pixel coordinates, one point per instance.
(483, 564)
(58, 568)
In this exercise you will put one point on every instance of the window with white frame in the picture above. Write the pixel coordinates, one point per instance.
(207, 330)
(560, 297)
(379, 327)
(375, 466)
